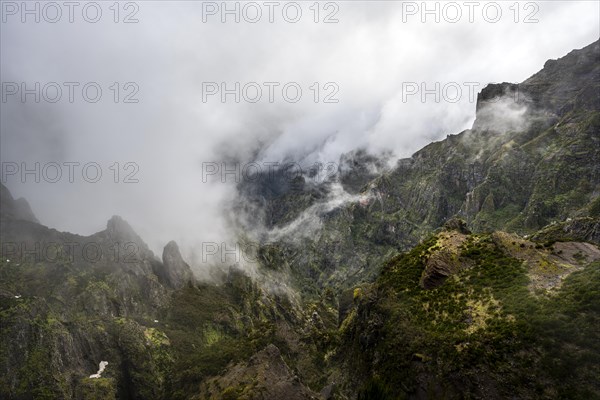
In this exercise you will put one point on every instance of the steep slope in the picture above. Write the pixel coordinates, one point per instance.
(513, 319)
(69, 302)
(14, 209)
(531, 159)
(359, 293)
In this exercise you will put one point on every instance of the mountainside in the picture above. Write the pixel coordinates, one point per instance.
(530, 160)
(470, 270)
(478, 316)
(69, 302)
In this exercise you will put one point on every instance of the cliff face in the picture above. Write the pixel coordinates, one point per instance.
(531, 159)
(175, 271)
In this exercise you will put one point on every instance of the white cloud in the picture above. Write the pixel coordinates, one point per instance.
(369, 54)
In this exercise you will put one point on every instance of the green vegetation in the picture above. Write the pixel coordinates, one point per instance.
(482, 325)
(372, 300)
(96, 389)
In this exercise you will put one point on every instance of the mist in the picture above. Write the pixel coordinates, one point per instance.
(371, 59)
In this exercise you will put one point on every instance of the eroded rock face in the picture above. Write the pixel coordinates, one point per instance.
(444, 259)
(439, 267)
(174, 271)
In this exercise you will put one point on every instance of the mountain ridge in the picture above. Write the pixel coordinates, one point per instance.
(459, 273)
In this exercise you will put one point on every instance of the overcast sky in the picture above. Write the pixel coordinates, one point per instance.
(372, 58)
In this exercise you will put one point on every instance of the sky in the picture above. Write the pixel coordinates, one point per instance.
(147, 119)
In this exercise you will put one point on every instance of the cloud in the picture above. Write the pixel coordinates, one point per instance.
(369, 56)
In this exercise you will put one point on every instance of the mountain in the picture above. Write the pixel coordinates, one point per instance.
(14, 209)
(485, 316)
(530, 160)
(469, 270)
(69, 302)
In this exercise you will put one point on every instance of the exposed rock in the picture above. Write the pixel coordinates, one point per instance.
(444, 259)
(173, 271)
(119, 231)
(439, 267)
(548, 265)
(457, 224)
(14, 209)
(576, 229)
(558, 86)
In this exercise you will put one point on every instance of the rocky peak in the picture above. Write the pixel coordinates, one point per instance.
(443, 258)
(174, 271)
(118, 228)
(562, 85)
(119, 231)
(14, 209)
(494, 91)
(568, 82)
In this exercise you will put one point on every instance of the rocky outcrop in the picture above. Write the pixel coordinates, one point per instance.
(577, 229)
(568, 83)
(173, 271)
(458, 225)
(443, 258)
(119, 231)
(11, 209)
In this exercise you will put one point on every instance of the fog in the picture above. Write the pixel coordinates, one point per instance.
(371, 61)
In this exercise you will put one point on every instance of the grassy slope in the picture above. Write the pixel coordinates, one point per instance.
(481, 334)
